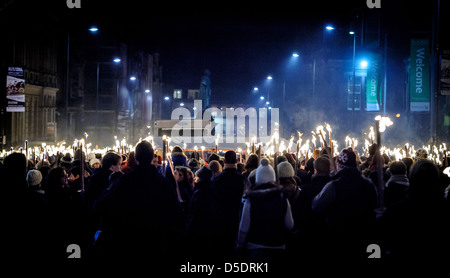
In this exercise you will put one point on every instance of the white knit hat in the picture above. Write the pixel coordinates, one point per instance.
(34, 177)
(265, 173)
(285, 170)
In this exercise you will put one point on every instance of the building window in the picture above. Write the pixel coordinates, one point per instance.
(177, 94)
(356, 96)
(193, 94)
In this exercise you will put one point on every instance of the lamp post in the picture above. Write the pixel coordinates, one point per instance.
(354, 77)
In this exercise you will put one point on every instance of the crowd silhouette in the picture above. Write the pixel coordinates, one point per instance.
(131, 210)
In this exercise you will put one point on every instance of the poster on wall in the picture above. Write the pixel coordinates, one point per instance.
(15, 90)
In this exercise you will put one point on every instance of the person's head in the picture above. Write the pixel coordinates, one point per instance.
(285, 170)
(57, 179)
(157, 160)
(177, 150)
(182, 173)
(34, 178)
(131, 161)
(193, 163)
(424, 180)
(322, 166)
(112, 161)
(265, 173)
(230, 157)
(316, 153)
(408, 162)
(325, 152)
(309, 165)
(421, 154)
(144, 153)
(397, 168)
(15, 165)
(281, 158)
(79, 154)
(346, 159)
(252, 162)
(372, 149)
(215, 167)
(213, 157)
(203, 174)
(94, 163)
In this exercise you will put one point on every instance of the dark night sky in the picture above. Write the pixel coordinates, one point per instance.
(240, 42)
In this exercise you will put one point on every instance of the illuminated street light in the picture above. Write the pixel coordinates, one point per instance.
(364, 64)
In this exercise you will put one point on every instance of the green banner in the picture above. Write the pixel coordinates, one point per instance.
(373, 84)
(419, 75)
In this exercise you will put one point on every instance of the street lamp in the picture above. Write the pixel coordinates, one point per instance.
(93, 29)
(364, 64)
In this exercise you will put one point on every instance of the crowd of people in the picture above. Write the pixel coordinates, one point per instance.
(130, 209)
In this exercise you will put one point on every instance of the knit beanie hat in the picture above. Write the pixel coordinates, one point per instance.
(34, 177)
(421, 153)
(347, 158)
(93, 161)
(285, 170)
(265, 173)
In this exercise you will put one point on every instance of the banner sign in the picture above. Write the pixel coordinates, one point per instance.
(15, 90)
(373, 85)
(419, 75)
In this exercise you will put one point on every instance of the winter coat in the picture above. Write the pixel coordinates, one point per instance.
(228, 188)
(304, 216)
(146, 218)
(266, 218)
(396, 189)
(98, 182)
(200, 219)
(348, 204)
(347, 201)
